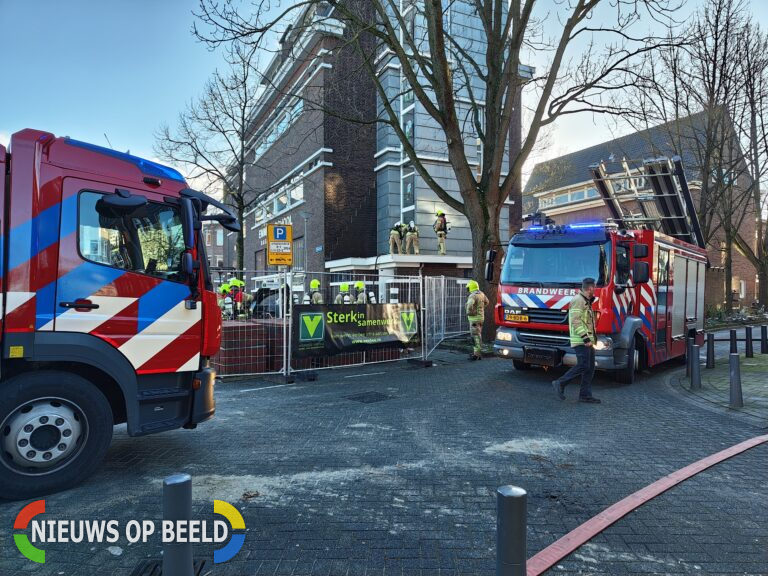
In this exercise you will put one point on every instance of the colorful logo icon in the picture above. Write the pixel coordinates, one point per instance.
(236, 541)
(409, 321)
(22, 540)
(312, 327)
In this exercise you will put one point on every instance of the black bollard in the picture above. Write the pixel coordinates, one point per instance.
(177, 505)
(763, 339)
(696, 368)
(511, 531)
(737, 399)
(750, 353)
(710, 350)
(734, 344)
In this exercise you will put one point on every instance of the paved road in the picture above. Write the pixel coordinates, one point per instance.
(331, 485)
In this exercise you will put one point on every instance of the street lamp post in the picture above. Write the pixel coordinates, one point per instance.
(306, 216)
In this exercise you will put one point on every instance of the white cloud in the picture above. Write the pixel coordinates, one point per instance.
(4, 139)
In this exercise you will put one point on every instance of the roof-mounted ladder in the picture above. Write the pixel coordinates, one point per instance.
(664, 203)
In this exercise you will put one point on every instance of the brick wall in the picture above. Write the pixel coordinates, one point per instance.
(350, 185)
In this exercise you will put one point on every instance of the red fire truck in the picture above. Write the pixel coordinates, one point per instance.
(649, 262)
(108, 312)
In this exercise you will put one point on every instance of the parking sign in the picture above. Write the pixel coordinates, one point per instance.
(279, 244)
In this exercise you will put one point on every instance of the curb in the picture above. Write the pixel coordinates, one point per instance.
(675, 382)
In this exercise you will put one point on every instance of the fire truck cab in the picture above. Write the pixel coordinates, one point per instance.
(108, 311)
(649, 266)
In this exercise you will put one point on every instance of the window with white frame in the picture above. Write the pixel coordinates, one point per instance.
(278, 129)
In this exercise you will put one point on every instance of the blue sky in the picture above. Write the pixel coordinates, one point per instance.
(83, 68)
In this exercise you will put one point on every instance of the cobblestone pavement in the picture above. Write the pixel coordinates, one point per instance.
(405, 485)
(715, 386)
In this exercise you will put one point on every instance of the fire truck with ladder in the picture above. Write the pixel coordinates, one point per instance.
(108, 311)
(648, 258)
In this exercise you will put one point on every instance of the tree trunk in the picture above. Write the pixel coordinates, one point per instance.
(240, 237)
(728, 267)
(484, 223)
(762, 275)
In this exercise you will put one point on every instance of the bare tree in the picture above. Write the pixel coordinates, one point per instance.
(210, 137)
(696, 93)
(753, 127)
(470, 88)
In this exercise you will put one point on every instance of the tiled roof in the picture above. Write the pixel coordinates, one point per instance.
(663, 140)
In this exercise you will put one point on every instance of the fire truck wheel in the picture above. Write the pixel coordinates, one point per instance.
(627, 374)
(55, 429)
(520, 365)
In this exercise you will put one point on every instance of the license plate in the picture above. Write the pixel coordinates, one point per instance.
(515, 318)
(541, 356)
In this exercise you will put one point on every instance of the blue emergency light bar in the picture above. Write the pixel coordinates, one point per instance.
(565, 227)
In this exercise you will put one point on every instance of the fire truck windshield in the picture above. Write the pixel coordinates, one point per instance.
(557, 264)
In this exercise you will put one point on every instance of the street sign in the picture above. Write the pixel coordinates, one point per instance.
(279, 244)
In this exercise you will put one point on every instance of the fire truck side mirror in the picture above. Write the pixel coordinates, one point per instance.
(640, 251)
(490, 258)
(640, 273)
(188, 222)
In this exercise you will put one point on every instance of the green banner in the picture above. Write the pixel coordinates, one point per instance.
(323, 330)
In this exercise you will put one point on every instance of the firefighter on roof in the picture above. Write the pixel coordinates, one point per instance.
(343, 296)
(360, 289)
(412, 238)
(316, 297)
(396, 238)
(441, 229)
(476, 303)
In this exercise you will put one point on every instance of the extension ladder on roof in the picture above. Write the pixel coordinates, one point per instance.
(664, 204)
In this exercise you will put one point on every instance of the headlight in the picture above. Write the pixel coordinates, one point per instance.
(604, 343)
(503, 335)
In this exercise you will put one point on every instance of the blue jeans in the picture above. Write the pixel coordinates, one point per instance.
(585, 367)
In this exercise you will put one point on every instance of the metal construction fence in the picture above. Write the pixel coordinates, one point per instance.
(257, 311)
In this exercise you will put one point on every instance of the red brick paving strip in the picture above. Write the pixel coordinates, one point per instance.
(558, 550)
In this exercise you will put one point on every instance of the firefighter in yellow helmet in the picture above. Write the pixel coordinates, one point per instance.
(343, 296)
(412, 238)
(441, 229)
(316, 297)
(476, 303)
(396, 238)
(360, 290)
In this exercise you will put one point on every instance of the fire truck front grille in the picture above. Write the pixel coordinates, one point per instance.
(547, 315)
(543, 339)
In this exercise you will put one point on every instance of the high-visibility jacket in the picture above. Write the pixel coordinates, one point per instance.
(581, 320)
(476, 303)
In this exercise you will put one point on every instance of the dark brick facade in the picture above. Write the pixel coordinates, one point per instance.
(335, 155)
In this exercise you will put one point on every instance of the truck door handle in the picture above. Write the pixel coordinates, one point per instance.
(79, 305)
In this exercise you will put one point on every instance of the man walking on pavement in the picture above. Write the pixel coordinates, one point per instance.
(476, 303)
(581, 321)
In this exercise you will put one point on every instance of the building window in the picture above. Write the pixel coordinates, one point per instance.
(409, 120)
(408, 196)
(219, 237)
(207, 237)
(742, 289)
(279, 128)
(298, 254)
(407, 91)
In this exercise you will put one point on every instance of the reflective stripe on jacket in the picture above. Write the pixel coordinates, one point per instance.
(581, 320)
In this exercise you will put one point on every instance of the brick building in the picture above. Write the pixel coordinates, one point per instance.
(563, 189)
(310, 168)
